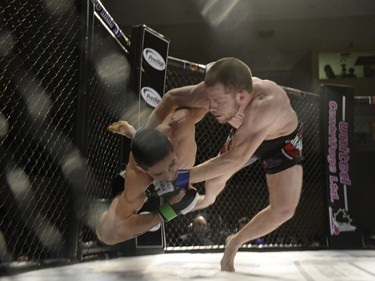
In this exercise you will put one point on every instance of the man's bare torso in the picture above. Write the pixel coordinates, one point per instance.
(266, 91)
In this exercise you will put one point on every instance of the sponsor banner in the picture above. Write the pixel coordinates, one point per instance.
(149, 60)
(149, 55)
(150, 96)
(337, 136)
(154, 59)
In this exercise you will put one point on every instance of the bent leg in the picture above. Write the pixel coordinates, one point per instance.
(284, 193)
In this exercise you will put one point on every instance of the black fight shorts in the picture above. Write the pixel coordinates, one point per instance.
(288, 155)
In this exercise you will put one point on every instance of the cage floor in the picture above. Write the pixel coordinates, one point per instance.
(322, 265)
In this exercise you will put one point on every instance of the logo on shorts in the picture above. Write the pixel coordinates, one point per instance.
(151, 97)
(154, 59)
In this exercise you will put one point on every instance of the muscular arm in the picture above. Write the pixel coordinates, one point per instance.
(121, 222)
(188, 96)
(184, 117)
(175, 119)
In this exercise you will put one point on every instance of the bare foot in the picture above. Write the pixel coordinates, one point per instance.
(227, 261)
(122, 128)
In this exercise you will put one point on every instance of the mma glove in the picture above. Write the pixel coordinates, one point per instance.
(181, 182)
(186, 204)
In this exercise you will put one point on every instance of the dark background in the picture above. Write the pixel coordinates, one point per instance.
(278, 39)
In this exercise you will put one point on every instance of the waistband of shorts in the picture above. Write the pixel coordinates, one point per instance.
(291, 135)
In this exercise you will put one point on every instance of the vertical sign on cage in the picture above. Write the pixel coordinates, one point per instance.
(149, 55)
(337, 133)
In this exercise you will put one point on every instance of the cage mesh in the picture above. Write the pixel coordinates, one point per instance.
(108, 92)
(38, 97)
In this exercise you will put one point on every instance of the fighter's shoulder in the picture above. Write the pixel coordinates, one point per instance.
(136, 184)
(135, 178)
(264, 83)
(268, 105)
(268, 91)
(265, 105)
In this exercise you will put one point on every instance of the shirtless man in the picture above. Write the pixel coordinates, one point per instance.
(265, 127)
(155, 155)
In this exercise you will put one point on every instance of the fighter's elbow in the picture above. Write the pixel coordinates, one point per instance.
(203, 202)
(208, 201)
(104, 232)
(108, 238)
(170, 100)
(105, 239)
(104, 236)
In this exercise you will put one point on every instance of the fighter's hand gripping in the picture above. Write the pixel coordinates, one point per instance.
(181, 182)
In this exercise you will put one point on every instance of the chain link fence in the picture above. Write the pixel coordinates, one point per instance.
(58, 95)
(108, 99)
(39, 70)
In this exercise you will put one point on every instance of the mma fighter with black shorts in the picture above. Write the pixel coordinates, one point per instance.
(265, 127)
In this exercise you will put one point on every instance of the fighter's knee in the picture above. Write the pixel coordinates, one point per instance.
(209, 200)
(109, 238)
(287, 214)
(104, 237)
(283, 214)
(204, 202)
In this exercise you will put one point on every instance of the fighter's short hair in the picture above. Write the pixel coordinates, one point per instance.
(233, 73)
(150, 146)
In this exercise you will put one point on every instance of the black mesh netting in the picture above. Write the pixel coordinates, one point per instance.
(38, 96)
(109, 98)
(58, 95)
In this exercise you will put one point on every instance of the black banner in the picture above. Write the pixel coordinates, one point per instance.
(150, 54)
(337, 136)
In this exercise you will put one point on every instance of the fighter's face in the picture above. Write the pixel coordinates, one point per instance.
(165, 169)
(223, 105)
